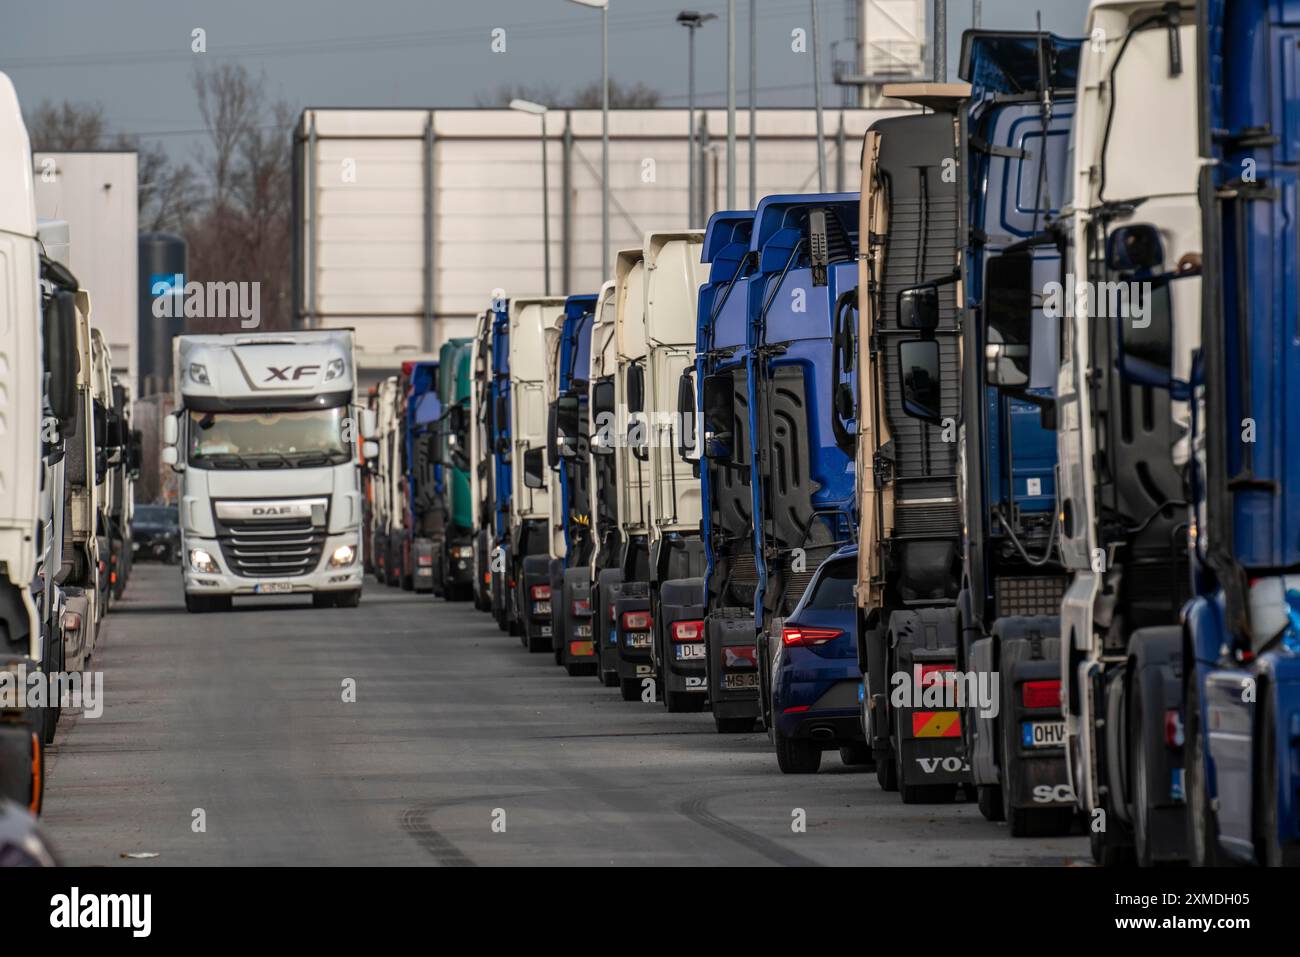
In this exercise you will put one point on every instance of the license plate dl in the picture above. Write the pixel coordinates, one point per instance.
(691, 652)
(1042, 734)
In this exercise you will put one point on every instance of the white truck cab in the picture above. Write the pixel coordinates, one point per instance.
(264, 438)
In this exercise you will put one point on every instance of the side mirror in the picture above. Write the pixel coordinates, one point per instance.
(635, 388)
(101, 465)
(62, 359)
(568, 425)
(602, 412)
(535, 468)
(369, 423)
(919, 361)
(135, 453)
(1008, 315)
(918, 307)
(171, 430)
(101, 418)
(1134, 248)
(687, 443)
(171, 457)
(1146, 347)
(719, 400)
(370, 450)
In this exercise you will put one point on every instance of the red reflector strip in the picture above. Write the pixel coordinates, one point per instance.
(796, 709)
(636, 621)
(581, 649)
(1040, 694)
(935, 724)
(541, 592)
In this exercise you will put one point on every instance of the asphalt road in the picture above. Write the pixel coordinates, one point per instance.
(460, 748)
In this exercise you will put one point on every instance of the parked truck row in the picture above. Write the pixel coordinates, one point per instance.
(70, 458)
(981, 475)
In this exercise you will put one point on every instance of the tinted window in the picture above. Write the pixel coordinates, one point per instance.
(834, 590)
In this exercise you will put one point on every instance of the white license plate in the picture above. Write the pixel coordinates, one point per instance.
(546, 631)
(692, 652)
(272, 588)
(1042, 734)
(638, 639)
(738, 682)
(541, 608)
(582, 631)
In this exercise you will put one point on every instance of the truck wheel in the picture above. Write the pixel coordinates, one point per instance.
(856, 755)
(579, 668)
(196, 604)
(408, 583)
(796, 756)
(630, 688)
(22, 768)
(1141, 795)
(609, 679)
(534, 640)
(989, 798)
(348, 599)
(1268, 849)
(682, 702)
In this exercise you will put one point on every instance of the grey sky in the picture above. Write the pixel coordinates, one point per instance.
(133, 56)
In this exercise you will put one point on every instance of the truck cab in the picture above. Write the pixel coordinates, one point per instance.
(674, 272)
(607, 539)
(1013, 168)
(534, 541)
(1241, 644)
(567, 453)
(263, 438)
(423, 511)
(1131, 236)
(453, 562)
(909, 401)
(727, 520)
(482, 493)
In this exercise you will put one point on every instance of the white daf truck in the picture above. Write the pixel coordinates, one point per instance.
(264, 438)
(534, 329)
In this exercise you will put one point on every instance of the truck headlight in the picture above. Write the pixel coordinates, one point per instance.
(199, 373)
(202, 561)
(333, 369)
(343, 555)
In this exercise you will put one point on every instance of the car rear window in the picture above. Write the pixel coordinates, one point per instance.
(834, 588)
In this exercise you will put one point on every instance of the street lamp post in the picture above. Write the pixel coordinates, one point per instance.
(603, 7)
(536, 109)
(692, 20)
(731, 104)
(817, 100)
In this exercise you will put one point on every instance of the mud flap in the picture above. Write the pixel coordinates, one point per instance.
(927, 741)
(731, 654)
(680, 600)
(608, 584)
(633, 663)
(1029, 650)
(575, 586)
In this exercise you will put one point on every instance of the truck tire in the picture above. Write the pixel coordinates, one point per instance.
(349, 599)
(534, 640)
(1202, 828)
(683, 702)
(22, 767)
(630, 688)
(886, 769)
(196, 604)
(989, 798)
(797, 756)
(577, 669)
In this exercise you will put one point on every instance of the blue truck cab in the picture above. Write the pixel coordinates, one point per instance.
(567, 452)
(1014, 134)
(1241, 669)
(423, 491)
(722, 387)
(503, 609)
(800, 299)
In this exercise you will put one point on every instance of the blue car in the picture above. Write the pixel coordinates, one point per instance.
(815, 675)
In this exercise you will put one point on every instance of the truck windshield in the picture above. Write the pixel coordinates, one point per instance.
(243, 440)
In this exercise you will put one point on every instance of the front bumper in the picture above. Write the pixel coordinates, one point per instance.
(222, 582)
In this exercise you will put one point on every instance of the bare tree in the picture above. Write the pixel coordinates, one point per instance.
(230, 103)
(66, 126)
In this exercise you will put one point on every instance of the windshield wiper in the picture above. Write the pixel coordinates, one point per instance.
(223, 460)
(314, 459)
(259, 459)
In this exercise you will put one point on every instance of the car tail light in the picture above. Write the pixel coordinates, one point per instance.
(797, 709)
(636, 621)
(581, 606)
(540, 592)
(1173, 728)
(1040, 694)
(487, 578)
(807, 637)
(688, 630)
(424, 560)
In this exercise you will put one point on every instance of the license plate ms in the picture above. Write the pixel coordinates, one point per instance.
(739, 682)
(1042, 734)
(272, 588)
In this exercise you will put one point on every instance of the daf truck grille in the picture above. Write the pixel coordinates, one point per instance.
(272, 549)
(1029, 596)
